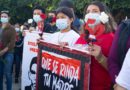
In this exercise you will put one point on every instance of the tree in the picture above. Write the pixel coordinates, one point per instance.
(21, 10)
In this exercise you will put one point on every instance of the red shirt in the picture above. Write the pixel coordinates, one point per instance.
(99, 76)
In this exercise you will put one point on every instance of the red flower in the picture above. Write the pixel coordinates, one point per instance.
(43, 16)
(54, 19)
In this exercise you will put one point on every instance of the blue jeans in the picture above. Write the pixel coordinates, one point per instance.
(6, 68)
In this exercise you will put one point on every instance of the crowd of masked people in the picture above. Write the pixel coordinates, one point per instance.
(107, 43)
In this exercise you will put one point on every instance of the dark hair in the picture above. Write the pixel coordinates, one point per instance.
(5, 11)
(66, 3)
(124, 36)
(52, 12)
(102, 6)
(26, 25)
(111, 26)
(33, 61)
(68, 12)
(39, 8)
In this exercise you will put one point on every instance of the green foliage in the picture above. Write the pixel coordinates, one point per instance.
(21, 10)
(115, 4)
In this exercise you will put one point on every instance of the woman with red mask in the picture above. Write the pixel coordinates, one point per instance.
(98, 35)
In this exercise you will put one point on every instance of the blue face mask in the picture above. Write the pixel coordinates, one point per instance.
(37, 18)
(4, 20)
(61, 24)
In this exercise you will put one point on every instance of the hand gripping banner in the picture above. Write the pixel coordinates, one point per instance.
(62, 68)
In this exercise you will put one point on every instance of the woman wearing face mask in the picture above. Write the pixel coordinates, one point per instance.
(98, 35)
(66, 35)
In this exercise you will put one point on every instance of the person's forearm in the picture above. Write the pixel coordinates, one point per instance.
(2, 52)
(102, 60)
(5, 49)
(118, 87)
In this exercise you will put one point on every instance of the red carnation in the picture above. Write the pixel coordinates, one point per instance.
(54, 19)
(43, 16)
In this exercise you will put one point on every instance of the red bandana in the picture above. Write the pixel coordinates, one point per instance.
(96, 30)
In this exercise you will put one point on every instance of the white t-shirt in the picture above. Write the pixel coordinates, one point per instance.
(70, 37)
(123, 78)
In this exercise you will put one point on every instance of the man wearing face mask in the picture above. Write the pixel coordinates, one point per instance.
(18, 51)
(39, 17)
(7, 49)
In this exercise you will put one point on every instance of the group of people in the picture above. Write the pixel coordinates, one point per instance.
(106, 43)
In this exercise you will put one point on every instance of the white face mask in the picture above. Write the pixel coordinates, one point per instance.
(4, 20)
(62, 23)
(94, 16)
(37, 18)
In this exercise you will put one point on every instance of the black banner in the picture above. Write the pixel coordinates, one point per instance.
(62, 68)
